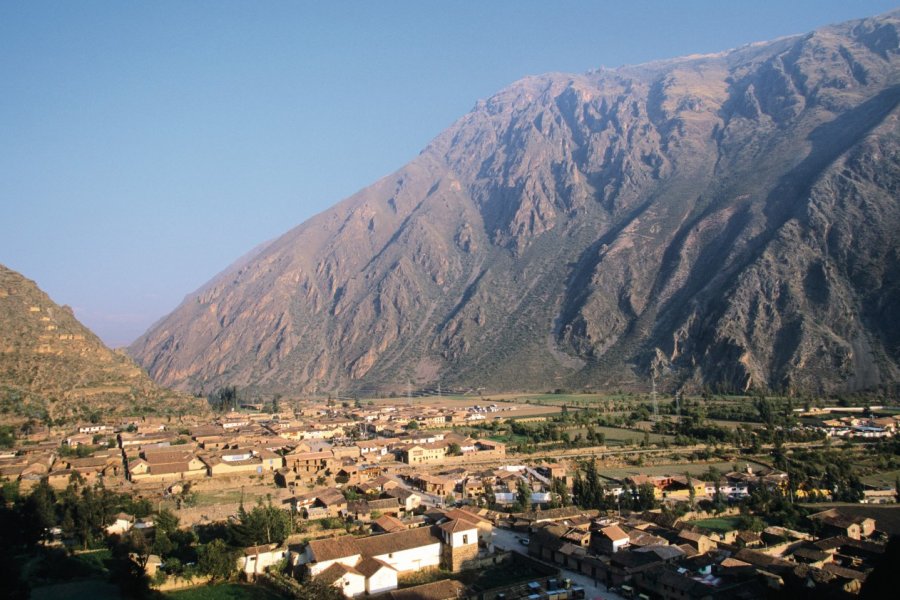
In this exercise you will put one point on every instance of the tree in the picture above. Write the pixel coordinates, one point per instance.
(218, 560)
(223, 398)
(750, 523)
(453, 449)
(10, 493)
(412, 425)
(7, 436)
(523, 496)
(264, 524)
(162, 544)
(166, 521)
(40, 511)
(137, 545)
(489, 497)
(646, 497)
(692, 493)
(558, 488)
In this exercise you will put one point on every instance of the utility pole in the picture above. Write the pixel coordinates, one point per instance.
(653, 395)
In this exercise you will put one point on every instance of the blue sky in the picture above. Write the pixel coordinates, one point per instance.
(144, 146)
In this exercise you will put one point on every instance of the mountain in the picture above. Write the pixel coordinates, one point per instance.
(52, 366)
(725, 221)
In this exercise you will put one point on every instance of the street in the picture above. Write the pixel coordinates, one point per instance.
(509, 540)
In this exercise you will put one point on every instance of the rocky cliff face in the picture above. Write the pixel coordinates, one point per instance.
(725, 220)
(52, 366)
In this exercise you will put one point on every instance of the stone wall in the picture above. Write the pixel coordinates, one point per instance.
(459, 558)
(179, 583)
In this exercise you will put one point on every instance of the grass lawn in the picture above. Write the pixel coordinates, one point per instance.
(616, 436)
(230, 496)
(207, 497)
(509, 438)
(720, 524)
(94, 560)
(225, 591)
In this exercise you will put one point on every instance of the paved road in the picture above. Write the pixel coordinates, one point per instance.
(509, 540)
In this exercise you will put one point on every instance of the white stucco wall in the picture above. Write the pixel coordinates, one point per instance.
(347, 561)
(351, 584)
(471, 536)
(382, 580)
(249, 564)
(414, 559)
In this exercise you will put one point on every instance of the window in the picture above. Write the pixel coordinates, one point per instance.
(465, 538)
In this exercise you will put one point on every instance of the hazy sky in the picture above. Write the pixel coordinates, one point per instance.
(144, 146)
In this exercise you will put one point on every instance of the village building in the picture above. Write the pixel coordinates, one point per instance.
(610, 539)
(347, 562)
(165, 464)
(122, 523)
(257, 559)
(834, 522)
(435, 484)
(423, 454)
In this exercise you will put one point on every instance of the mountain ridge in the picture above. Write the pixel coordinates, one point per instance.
(589, 230)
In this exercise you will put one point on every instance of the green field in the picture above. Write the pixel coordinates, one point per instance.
(54, 565)
(510, 438)
(885, 478)
(225, 591)
(616, 436)
(720, 524)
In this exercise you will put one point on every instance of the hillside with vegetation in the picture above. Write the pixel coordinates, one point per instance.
(55, 370)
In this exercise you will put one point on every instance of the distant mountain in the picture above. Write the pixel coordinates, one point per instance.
(726, 220)
(53, 366)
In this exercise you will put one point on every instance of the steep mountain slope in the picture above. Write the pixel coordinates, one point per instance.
(724, 220)
(52, 366)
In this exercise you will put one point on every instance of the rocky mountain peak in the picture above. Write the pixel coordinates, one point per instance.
(723, 220)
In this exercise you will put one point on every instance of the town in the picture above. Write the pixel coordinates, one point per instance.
(517, 497)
